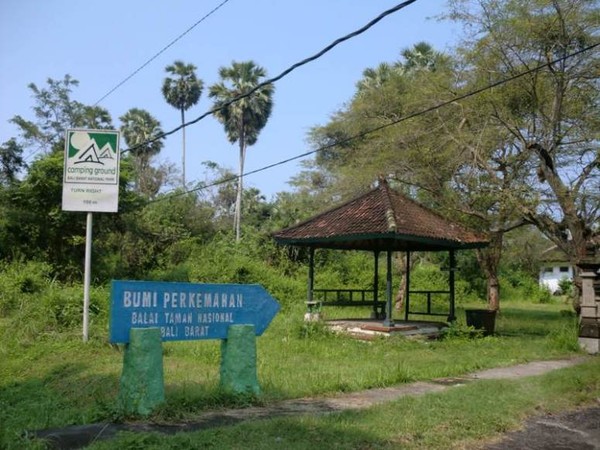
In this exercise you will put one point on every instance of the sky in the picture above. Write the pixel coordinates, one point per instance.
(100, 43)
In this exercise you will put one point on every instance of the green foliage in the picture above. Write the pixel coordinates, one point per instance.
(314, 329)
(43, 358)
(566, 336)
(55, 111)
(566, 287)
(459, 331)
(518, 286)
(19, 281)
(138, 127)
(350, 270)
(253, 260)
(11, 161)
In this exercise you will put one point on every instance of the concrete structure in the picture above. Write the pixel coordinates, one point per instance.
(141, 388)
(551, 274)
(589, 329)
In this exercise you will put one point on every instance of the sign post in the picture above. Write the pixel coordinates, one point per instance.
(90, 184)
(188, 311)
(234, 313)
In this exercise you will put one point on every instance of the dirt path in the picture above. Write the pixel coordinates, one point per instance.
(80, 436)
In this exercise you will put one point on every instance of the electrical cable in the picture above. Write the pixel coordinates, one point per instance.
(380, 127)
(278, 77)
(170, 44)
(160, 52)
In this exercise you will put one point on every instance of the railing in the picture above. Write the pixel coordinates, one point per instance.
(345, 297)
(366, 297)
(428, 295)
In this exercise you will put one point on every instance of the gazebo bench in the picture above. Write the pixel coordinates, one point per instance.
(346, 297)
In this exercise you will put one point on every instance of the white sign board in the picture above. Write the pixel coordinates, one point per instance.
(91, 173)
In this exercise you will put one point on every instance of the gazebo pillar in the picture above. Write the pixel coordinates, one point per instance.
(407, 287)
(375, 314)
(313, 312)
(389, 321)
(452, 315)
(311, 273)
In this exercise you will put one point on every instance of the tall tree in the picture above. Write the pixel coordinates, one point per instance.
(421, 56)
(182, 90)
(55, 111)
(551, 114)
(242, 118)
(138, 127)
(432, 156)
(11, 161)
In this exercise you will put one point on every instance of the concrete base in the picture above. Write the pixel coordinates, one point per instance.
(141, 387)
(590, 345)
(312, 317)
(238, 361)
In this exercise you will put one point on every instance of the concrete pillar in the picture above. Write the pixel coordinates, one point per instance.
(141, 387)
(589, 327)
(238, 361)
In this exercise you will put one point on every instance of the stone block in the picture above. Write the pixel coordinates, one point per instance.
(238, 361)
(141, 387)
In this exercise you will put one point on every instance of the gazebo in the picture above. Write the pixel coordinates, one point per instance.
(381, 220)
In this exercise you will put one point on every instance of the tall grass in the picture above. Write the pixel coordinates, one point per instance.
(49, 378)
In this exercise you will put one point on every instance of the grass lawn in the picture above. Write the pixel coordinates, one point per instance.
(56, 380)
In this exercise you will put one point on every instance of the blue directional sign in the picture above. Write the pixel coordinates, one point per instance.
(188, 311)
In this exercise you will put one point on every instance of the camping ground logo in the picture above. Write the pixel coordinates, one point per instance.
(91, 171)
(92, 157)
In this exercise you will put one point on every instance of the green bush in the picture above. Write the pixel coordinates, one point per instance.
(543, 295)
(20, 279)
(566, 287)
(250, 261)
(458, 331)
(566, 337)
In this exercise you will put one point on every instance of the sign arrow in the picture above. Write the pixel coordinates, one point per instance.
(188, 311)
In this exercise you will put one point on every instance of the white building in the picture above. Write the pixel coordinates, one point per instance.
(554, 268)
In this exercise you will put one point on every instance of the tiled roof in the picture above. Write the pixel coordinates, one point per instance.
(382, 219)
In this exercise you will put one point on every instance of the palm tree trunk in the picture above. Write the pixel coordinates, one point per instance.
(183, 153)
(238, 200)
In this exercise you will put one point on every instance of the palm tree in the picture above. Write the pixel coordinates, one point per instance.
(242, 119)
(376, 78)
(138, 127)
(422, 56)
(182, 92)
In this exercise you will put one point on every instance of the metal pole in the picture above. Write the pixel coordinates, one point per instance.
(87, 276)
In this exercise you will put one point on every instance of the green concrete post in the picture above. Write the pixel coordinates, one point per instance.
(238, 361)
(142, 388)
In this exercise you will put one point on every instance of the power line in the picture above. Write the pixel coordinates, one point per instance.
(135, 72)
(160, 52)
(280, 76)
(381, 127)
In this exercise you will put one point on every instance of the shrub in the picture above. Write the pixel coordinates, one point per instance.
(566, 287)
(224, 261)
(457, 331)
(20, 279)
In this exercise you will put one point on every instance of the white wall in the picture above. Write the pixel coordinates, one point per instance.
(551, 274)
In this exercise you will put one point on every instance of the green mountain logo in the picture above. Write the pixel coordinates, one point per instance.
(92, 148)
